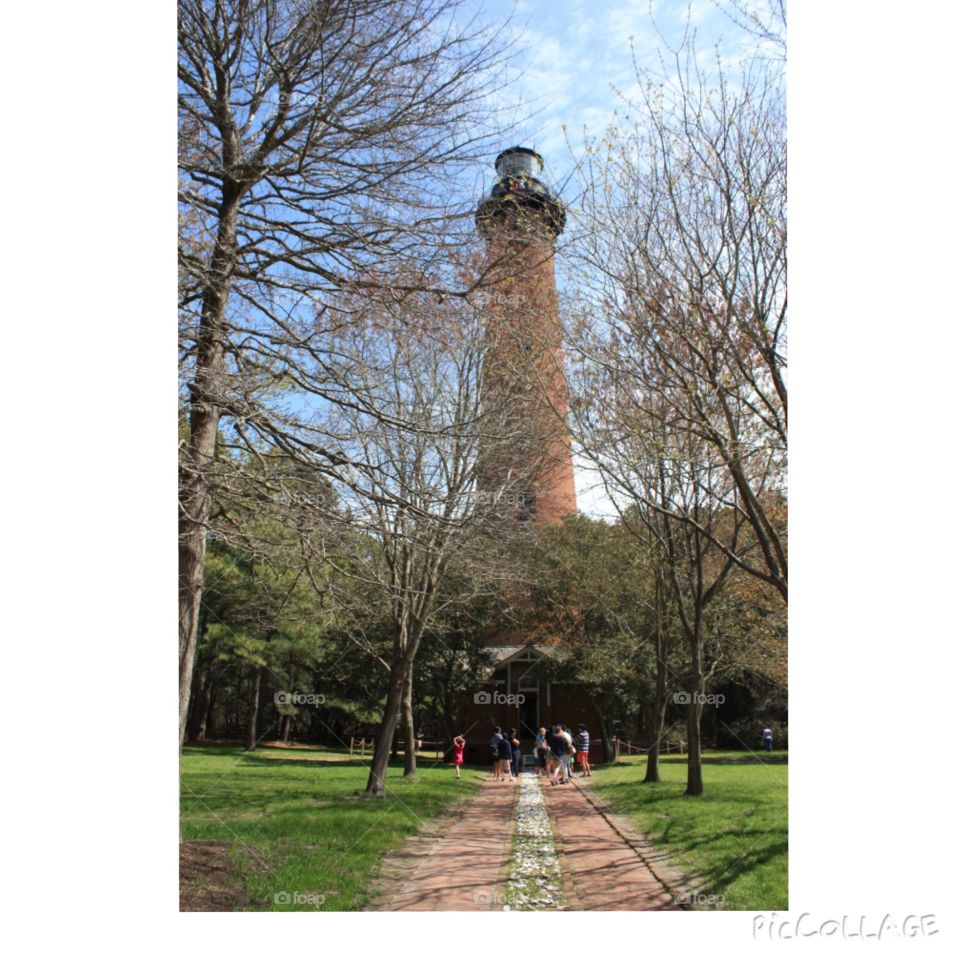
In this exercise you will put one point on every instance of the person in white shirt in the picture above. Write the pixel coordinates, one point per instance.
(568, 756)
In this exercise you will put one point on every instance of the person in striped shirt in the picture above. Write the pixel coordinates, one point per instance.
(583, 749)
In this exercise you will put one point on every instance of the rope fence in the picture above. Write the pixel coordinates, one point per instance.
(361, 745)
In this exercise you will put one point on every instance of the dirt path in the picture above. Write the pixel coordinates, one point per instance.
(464, 868)
(605, 865)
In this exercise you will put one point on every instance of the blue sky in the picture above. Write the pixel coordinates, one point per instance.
(574, 71)
(578, 54)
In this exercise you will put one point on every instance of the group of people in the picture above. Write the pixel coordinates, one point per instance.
(507, 755)
(556, 751)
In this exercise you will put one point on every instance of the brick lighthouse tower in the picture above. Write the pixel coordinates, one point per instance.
(526, 685)
(520, 220)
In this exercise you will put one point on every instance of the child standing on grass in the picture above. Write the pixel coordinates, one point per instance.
(458, 744)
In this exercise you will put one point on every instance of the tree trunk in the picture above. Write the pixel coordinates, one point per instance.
(658, 715)
(653, 753)
(202, 712)
(206, 723)
(694, 767)
(410, 733)
(449, 724)
(254, 710)
(196, 488)
(285, 729)
(605, 739)
(196, 709)
(694, 712)
(398, 724)
(381, 754)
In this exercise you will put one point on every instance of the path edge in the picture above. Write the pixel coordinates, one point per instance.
(670, 878)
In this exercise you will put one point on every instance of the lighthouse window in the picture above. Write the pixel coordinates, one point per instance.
(519, 165)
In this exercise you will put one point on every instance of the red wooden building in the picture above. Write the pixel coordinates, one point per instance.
(526, 689)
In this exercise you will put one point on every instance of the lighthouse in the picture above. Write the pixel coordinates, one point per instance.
(525, 686)
(521, 220)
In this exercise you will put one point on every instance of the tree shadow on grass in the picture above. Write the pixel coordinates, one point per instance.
(683, 827)
(629, 795)
(723, 875)
(319, 762)
(759, 759)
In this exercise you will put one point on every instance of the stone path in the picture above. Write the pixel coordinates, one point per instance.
(589, 860)
(534, 879)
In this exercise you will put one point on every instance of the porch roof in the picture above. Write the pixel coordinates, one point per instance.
(523, 653)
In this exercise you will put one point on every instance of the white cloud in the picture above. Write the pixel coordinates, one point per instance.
(579, 55)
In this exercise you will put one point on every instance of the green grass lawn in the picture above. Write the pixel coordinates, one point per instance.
(301, 816)
(732, 840)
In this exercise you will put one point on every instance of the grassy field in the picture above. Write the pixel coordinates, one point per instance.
(299, 840)
(732, 840)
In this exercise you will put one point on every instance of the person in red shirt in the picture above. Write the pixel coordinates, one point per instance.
(458, 744)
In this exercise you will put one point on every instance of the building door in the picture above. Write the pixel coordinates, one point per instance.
(528, 716)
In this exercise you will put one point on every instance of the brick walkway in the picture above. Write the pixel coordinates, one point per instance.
(602, 871)
(464, 868)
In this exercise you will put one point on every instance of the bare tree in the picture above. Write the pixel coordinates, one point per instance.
(683, 253)
(670, 489)
(662, 646)
(320, 141)
(412, 419)
(695, 570)
(764, 20)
